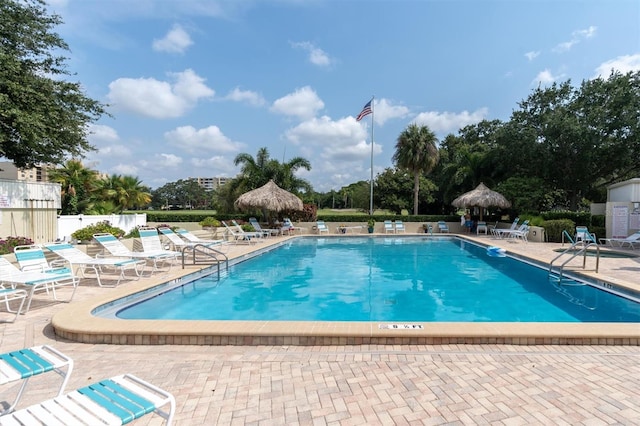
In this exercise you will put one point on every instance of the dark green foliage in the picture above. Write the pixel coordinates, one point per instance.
(44, 117)
(579, 218)
(554, 228)
(86, 233)
(7, 245)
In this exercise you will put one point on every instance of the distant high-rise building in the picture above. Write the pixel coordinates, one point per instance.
(8, 170)
(210, 183)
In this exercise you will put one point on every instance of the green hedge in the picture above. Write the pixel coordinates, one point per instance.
(554, 228)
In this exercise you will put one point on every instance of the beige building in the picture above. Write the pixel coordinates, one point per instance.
(210, 183)
(8, 170)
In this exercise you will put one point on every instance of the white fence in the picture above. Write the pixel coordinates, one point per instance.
(67, 225)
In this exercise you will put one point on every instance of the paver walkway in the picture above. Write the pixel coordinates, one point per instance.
(355, 385)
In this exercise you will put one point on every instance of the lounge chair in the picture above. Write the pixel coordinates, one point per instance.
(289, 227)
(322, 227)
(498, 232)
(84, 262)
(399, 226)
(521, 233)
(443, 227)
(116, 248)
(151, 243)
(266, 232)
(115, 401)
(26, 363)
(36, 274)
(583, 234)
(238, 237)
(515, 233)
(192, 238)
(388, 226)
(12, 294)
(631, 241)
(254, 234)
(481, 226)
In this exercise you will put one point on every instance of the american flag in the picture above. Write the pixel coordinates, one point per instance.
(365, 111)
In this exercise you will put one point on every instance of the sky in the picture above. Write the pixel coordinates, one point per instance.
(191, 84)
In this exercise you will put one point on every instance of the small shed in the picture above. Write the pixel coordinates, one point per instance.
(29, 209)
(623, 208)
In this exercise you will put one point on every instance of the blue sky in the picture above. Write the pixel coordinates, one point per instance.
(192, 83)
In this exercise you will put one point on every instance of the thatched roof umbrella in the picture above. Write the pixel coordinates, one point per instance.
(481, 197)
(269, 197)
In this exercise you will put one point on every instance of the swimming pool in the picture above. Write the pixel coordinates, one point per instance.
(382, 279)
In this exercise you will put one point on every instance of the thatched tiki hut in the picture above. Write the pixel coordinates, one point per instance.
(481, 197)
(269, 197)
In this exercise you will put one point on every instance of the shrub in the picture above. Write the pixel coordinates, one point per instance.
(7, 245)
(210, 222)
(554, 228)
(86, 233)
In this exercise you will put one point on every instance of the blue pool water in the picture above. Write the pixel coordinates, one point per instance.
(384, 279)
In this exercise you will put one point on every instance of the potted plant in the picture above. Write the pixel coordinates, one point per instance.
(371, 223)
(428, 229)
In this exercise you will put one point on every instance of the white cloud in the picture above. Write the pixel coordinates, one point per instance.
(545, 78)
(303, 103)
(623, 64)
(176, 41)
(99, 133)
(167, 160)
(253, 98)
(215, 166)
(159, 99)
(338, 141)
(576, 37)
(531, 55)
(384, 111)
(194, 140)
(443, 123)
(317, 56)
(125, 169)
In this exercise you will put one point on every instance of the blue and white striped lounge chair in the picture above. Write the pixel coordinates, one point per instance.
(399, 226)
(84, 262)
(322, 227)
(443, 227)
(26, 363)
(36, 275)
(116, 248)
(388, 226)
(115, 401)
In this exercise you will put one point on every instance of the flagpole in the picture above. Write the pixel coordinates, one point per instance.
(371, 182)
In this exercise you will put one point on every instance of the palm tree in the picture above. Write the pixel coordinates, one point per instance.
(77, 183)
(416, 152)
(257, 172)
(125, 192)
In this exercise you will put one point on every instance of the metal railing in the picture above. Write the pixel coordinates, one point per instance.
(577, 248)
(203, 254)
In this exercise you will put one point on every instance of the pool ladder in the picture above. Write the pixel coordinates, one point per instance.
(577, 248)
(201, 254)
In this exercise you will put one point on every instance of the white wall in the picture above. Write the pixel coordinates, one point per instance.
(67, 225)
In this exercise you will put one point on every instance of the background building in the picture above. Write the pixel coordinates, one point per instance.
(8, 170)
(210, 183)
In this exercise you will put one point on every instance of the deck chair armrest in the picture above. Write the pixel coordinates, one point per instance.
(32, 268)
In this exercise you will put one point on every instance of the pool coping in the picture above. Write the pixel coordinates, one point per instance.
(77, 323)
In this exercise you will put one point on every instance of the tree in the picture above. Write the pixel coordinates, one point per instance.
(416, 151)
(77, 184)
(394, 190)
(257, 172)
(43, 117)
(124, 192)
